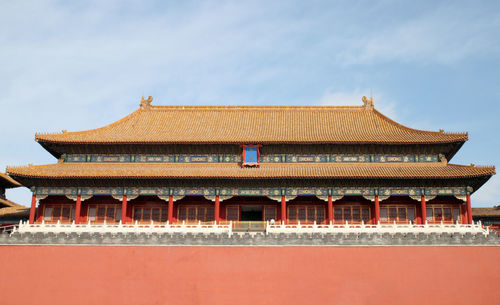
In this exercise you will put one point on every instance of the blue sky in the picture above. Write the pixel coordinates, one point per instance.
(78, 65)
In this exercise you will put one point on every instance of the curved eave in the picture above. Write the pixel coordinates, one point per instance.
(10, 204)
(234, 171)
(8, 182)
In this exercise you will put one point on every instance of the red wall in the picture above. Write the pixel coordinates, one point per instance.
(249, 275)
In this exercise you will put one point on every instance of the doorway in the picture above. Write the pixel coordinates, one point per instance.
(251, 213)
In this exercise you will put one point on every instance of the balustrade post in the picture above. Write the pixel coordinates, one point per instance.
(78, 208)
(33, 208)
(423, 209)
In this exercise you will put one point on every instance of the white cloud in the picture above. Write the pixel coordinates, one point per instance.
(444, 34)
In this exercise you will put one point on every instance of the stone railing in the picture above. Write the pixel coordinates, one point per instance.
(103, 228)
(474, 228)
(270, 228)
(8, 228)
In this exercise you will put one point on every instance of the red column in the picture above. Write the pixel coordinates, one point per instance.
(469, 210)
(217, 208)
(463, 212)
(283, 210)
(377, 210)
(170, 209)
(419, 216)
(330, 209)
(78, 208)
(33, 208)
(124, 209)
(423, 209)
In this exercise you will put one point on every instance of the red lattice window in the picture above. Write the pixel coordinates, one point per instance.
(401, 214)
(444, 213)
(351, 214)
(62, 213)
(306, 214)
(146, 214)
(195, 213)
(104, 212)
(269, 213)
(233, 213)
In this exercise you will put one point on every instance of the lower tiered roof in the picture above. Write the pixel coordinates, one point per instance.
(234, 170)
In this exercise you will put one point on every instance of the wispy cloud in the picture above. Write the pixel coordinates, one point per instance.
(445, 34)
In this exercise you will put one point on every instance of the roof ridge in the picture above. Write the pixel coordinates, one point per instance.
(254, 107)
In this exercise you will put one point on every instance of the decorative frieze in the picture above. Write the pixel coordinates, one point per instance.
(274, 158)
(273, 193)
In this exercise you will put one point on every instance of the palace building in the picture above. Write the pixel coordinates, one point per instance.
(283, 164)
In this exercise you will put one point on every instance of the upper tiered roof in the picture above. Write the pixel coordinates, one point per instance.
(254, 124)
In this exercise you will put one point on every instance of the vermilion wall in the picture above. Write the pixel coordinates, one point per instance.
(249, 275)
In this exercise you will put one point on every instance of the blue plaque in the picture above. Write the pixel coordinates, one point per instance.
(250, 154)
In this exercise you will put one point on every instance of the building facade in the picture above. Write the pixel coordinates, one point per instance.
(488, 216)
(318, 164)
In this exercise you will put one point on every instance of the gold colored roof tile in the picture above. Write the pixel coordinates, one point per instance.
(233, 170)
(254, 124)
(8, 182)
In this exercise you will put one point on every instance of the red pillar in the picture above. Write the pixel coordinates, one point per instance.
(463, 212)
(283, 210)
(170, 209)
(217, 209)
(377, 210)
(423, 209)
(124, 209)
(33, 208)
(330, 209)
(469, 210)
(78, 208)
(419, 215)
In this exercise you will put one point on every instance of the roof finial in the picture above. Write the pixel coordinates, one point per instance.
(146, 103)
(368, 103)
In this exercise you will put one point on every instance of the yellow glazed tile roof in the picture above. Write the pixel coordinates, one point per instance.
(254, 124)
(233, 170)
(8, 182)
(10, 204)
(14, 211)
(493, 211)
